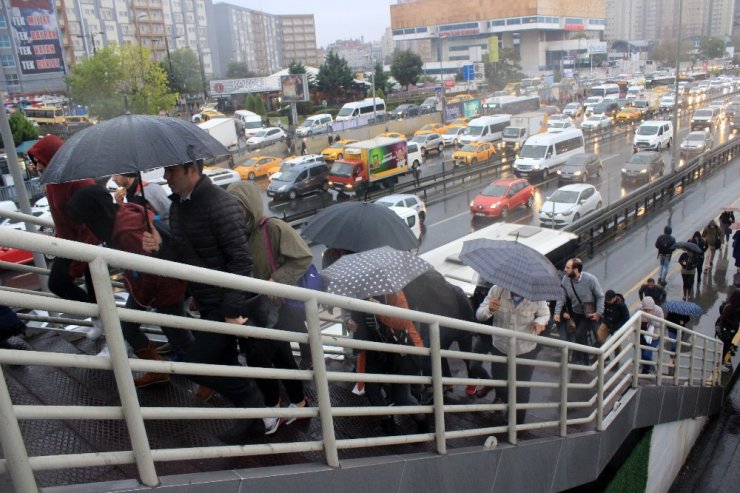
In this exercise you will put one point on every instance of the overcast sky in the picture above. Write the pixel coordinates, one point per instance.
(335, 19)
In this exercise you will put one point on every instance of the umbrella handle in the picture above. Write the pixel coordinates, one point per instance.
(146, 211)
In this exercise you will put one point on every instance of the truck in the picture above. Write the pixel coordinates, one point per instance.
(522, 127)
(368, 163)
(223, 130)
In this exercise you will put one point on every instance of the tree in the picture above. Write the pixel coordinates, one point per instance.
(185, 77)
(378, 93)
(145, 81)
(712, 48)
(21, 128)
(259, 105)
(381, 78)
(334, 75)
(507, 69)
(251, 105)
(238, 70)
(406, 67)
(97, 83)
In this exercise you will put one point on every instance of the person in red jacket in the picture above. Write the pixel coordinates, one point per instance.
(65, 271)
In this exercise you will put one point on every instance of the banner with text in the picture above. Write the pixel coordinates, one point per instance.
(244, 86)
(493, 49)
(37, 36)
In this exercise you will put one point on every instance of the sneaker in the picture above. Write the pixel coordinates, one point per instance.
(358, 391)
(96, 330)
(271, 425)
(293, 419)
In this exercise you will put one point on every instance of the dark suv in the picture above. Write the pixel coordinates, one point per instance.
(300, 180)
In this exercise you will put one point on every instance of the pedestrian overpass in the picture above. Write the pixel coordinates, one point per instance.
(70, 417)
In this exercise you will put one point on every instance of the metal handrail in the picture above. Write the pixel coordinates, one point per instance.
(603, 390)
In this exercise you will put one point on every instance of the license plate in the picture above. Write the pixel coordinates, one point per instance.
(479, 214)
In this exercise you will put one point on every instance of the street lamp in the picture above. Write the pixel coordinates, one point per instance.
(140, 16)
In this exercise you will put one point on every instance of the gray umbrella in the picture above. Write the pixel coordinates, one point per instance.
(513, 266)
(374, 272)
(359, 226)
(689, 247)
(130, 144)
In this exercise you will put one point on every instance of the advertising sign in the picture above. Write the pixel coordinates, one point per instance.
(596, 47)
(386, 158)
(493, 49)
(37, 36)
(244, 86)
(294, 88)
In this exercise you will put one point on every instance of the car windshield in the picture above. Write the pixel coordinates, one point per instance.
(453, 130)
(429, 102)
(578, 160)
(494, 190)
(289, 174)
(260, 133)
(419, 138)
(594, 119)
(533, 151)
(256, 124)
(337, 145)
(345, 112)
(476, 131)
(428, 126)
(564, 197)
(341, 169)
(695, 137)
(640, 104)
(469, 148)
(640, 159)
(510, 132)
(647, 130)
(703, 113)
(571, 106)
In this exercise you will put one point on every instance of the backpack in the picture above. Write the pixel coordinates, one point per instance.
(688, 261)
(665, 243)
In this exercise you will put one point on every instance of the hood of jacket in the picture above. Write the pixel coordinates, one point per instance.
(667, 230)
(94, 207)
(45, 148)
(250, 197)
(648, 303)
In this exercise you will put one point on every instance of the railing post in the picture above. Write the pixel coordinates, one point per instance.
(437, 388)
(600, 393)
(677, 355)
(692, 360)
(636, 357)
(661, 349)
(122, 372)
(511, 388)
(313, 325)
(563, 391)
(11, 440)
(704, 363)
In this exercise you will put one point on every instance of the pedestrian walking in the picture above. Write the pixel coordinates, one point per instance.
(279, 254)
(713, 236)
(649, 340)
(665, 245)
(122, 227)
(736, 249)
(689, 262)
(616, 314)
(303, 147)
(727, 326)
(417, 172)
(583, 291)
(65, 271)
(698, 241)
(726, 219)
(208, 230)
(651, 289)
(514, 312)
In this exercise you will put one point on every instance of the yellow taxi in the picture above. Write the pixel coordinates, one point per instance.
(206, 115)
(431, 128)
(336, 150)
(461, 121)
(257, 166)
(473, 152)
(629, 114)
(460, 98)
(392, 135)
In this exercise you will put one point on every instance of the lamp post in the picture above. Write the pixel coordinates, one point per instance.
(202, 73)
(676, 147)
(140, 16)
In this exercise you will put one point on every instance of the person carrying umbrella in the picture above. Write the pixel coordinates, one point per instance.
(698, 241)
(135, 190)
(689, 261)
(679, 312)
(511, 311)
(65, 271)
(122, 227)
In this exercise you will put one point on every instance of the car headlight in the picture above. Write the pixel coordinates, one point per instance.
(472, 203)
(495, 206)
(624, 170)
(642, 171)
(566, 213)
(577, 173)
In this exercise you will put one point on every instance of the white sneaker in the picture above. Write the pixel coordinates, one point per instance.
(105, 352)
(96, 330)
(358, 391)
(271, 425)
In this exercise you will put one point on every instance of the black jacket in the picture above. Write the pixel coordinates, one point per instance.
(615, 315)
(657, 293)
(209, 231)
(665, 244)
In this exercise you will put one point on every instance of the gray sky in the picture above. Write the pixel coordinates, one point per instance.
(335, 19)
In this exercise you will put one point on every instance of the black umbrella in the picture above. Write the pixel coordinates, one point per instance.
(513, 266)
(689, 247)
(374, 272)
(359, 226)
(130, 144)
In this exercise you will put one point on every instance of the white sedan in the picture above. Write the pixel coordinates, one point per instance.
(266, 136)
(570, 203)
(596, 122)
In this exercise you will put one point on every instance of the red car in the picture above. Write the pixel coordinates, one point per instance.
(15, 255)
(501, 196)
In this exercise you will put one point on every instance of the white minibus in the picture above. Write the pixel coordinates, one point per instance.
(356, 109)
(542, 154)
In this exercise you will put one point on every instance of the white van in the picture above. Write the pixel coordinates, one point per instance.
(251, 121)
(544, 153)
(411, 217)
(356, 109)
(316, 124)
(634, 92)
(653, 135)
(486, 129)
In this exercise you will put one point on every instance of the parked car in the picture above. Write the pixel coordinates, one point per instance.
(580, 167)
(569, 203)
(573, 110)
(257, 166)
(405, 111)
(697, 142)
(594, 123)
(429, 142)
(642, 166)
(405, 200)
(266, 136)
(300, 180)
(502, 196)
(472, 153)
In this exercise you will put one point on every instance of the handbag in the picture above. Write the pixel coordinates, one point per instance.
(311, 279)
(589, 307)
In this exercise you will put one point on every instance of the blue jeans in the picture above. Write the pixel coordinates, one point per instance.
(665, 263)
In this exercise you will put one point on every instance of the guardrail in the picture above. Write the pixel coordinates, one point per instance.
(618, 366)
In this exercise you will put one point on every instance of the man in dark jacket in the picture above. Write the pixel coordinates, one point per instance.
(208, 230)
(651, 289)
(616, 314)
(665, 244)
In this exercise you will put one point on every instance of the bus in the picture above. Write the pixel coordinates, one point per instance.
(45, 115)
(659, 79)
(558, 246)
(606, 91)
(512, 105)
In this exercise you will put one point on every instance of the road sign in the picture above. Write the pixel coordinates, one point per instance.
(480, 71)
(468, 72)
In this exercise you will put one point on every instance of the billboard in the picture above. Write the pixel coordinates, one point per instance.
(493, 49)
(294, 88)
(36, 33)
(244, 86)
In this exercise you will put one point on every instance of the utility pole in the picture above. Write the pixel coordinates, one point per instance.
(676, 148)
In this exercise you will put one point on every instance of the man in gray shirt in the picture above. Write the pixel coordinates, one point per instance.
(584, 302)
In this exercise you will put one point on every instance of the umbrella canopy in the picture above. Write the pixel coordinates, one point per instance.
(129, 144)
(379, 271)
(680, 307)
(359, 226)
(689, 247)
(513, 266)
